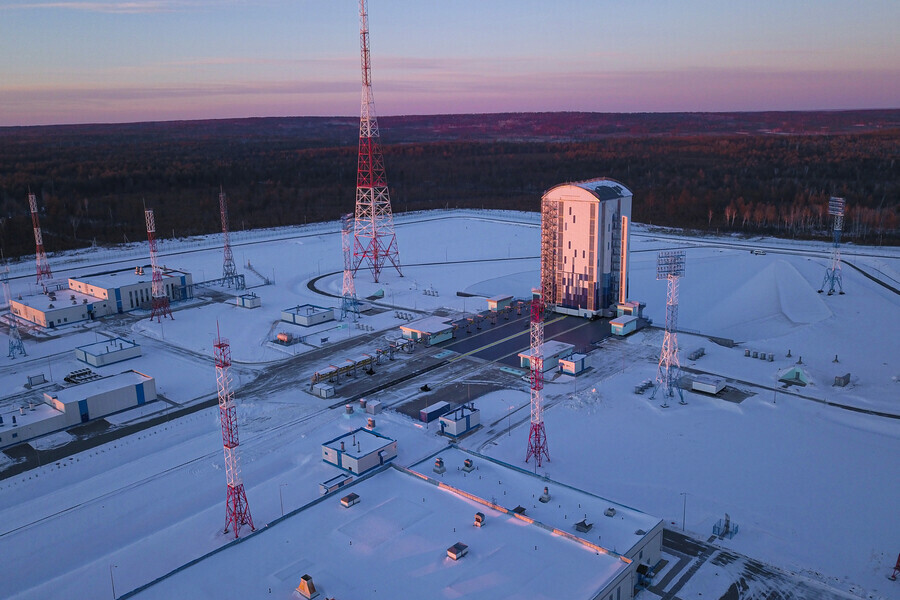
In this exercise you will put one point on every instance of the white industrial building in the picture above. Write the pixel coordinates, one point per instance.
(359, 451)
(461, 421)
(61, 307)
(307, 315)
(551, 352)
(432, 330)
(130, 289)
(77, 404)
(585, 242)
(111, 351)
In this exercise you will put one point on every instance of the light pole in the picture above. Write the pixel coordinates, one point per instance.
(509, 422)
(281, 497)
(111, 581)
(683, 509)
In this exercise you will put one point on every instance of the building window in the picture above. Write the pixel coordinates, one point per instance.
(573, 219)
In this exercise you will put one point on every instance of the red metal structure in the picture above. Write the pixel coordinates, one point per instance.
(893, 576)
(374, 241)
(159, 301)
(237, 510)
(43, 267)
(229, 271)
(537, 435)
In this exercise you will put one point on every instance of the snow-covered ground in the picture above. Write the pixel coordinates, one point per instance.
(813, 487)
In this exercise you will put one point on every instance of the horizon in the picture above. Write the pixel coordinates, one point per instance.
(111, 62)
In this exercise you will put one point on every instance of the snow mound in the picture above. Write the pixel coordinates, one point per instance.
(770, 304)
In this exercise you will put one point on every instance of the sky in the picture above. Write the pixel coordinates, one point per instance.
(70, 61)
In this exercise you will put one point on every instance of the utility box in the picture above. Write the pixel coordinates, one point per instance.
(707, 384)
(622, 326)
(250, 300)
(323, 390)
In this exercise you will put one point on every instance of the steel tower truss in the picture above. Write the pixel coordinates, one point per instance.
(43, 266)
(670, 266)
(349, 301)
(374, 241)
(537, 435)
(833, 272)
(237, 510)
(159, 301)
(229, 271)
(15, 338)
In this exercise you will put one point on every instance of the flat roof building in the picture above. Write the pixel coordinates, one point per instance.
(307, 315)
(61, 307)
(359, 451)
(106, 353)
(586, 266)
(391, 541)
(551, 351)
(433, 330)
(131, 289)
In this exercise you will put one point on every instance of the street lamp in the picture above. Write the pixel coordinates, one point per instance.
(281, 497)
(509, 421)
(683, 509)
(111, 581)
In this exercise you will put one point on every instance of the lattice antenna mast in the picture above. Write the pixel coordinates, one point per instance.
(229, 271)
(349, 301)
(374, 241)
(237, 510)
(15, 338)
(833, 272)
(670, 266)
(540, 306)
(43, 266)
(159, 301)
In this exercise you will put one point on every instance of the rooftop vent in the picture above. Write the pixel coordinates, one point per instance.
(545, 498)
(479, 519)
(307, 588)
(583, 526)
(610, 512)
(457, 551)
(439, 465)
(468, 465)
(349, 500)
(519, 510)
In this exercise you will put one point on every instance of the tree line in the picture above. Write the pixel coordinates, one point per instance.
(92, 182)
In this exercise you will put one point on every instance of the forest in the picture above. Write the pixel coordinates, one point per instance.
(749, 173)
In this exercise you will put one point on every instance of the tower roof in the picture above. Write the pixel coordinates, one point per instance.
(602, 188)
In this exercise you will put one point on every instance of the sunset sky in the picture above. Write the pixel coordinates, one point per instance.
(107, 61)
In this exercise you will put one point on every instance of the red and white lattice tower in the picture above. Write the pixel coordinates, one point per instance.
(669, 266)
(159, 301)
(540, 305)
(349, 301)
(229, 271)
(43, 267)
(374, 241)
(237, 510)
(15, 338)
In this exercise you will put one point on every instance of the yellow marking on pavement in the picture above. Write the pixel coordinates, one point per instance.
(500, 341)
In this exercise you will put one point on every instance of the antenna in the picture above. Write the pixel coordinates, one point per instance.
(237, 510)
(669, 266)
(229, 271)
(374, 240)
(349, 302)
(540, 305)
(833, 272)
(159, 301)
(40, 257)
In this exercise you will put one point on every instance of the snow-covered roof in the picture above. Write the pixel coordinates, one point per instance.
(44, 303)
(99, 386)
(550, 348)
(430, 325)
(393, 544)
(125, 277)
(107, 346)
(623, 320)
(602, 188)
(359, 442)
(511, 487)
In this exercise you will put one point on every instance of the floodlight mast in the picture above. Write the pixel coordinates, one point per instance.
(669, 266)
(833, 272)
(374, 241)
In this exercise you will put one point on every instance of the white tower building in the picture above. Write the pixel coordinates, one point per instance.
(588, 262)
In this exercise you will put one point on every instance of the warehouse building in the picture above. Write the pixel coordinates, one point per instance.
(76, 404)
(58, 308)
(130, 289)
(584, 245)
